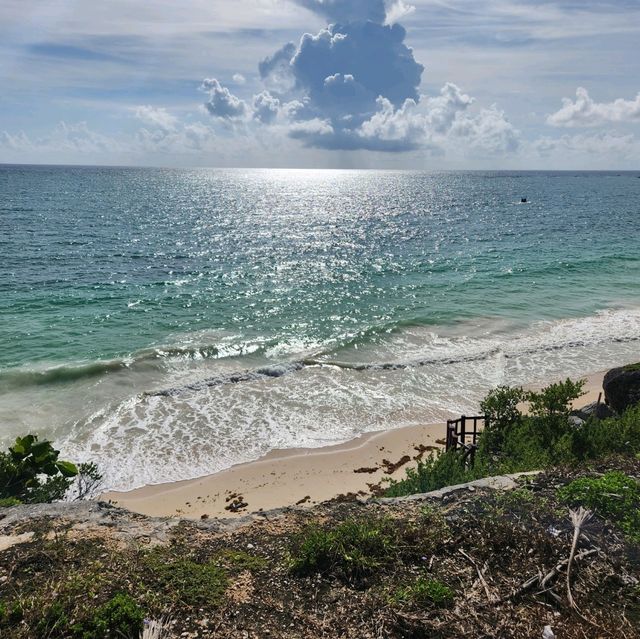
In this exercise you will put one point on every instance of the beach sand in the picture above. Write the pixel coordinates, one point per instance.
(300, 476)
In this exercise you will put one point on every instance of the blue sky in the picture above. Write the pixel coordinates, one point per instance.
(431, 84)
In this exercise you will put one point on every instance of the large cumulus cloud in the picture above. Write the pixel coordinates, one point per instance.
(356, 85)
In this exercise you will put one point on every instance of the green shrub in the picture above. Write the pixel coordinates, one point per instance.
(442, 469)
(425, 593)
(119, 617)
(555, 399)
(615, 496)
(352, 550)
(613, 435)
(32, 473)
(500, 407)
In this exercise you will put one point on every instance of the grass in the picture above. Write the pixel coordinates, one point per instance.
(425, 592)
(183, 581)
(632, 367)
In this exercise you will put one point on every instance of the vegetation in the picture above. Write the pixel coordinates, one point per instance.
(119, 617)
(343, 569)
(615, 496)
(425, 592)
(516, 442)
(32, 473)
(353, 549)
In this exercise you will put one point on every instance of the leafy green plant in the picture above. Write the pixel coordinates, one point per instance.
(425, 593)
(7, 502)
(615, 496)
(119, 617)
(32, 473)
(555, 399)
(500, 407)
(515, 442)
(353, 549)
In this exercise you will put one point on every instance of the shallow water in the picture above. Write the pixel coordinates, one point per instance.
(171, 323)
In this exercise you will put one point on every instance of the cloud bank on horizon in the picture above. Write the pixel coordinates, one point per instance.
(322, 83)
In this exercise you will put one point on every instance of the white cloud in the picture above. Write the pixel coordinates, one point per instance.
(442, 123)
(314, 127)
(238, 78)
(222, 103)
(489, 132)
(265, 107)
(398, 10)
(585, 112)
(156, 116)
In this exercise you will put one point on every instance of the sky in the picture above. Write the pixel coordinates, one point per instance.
(406, 84)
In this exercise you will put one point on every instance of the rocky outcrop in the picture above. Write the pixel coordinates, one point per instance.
(622, 387)
(594, 409)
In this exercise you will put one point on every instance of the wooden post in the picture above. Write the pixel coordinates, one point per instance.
(463, 430)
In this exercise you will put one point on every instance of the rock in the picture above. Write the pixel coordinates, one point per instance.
(575, 421)
(622, 387)
(599, 411)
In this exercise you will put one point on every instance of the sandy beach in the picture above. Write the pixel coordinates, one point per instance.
(300, 476)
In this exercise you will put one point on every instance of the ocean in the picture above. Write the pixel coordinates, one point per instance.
(171, 323)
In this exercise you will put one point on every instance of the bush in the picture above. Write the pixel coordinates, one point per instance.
(442, 469)
(500, 407)
(352, 550)
(555, 400)
(615, 496)
(31, 472)
(119, 617)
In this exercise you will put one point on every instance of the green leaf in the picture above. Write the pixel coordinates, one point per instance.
(50, 469)
(67, 468)
(42, 451)
(22, 447)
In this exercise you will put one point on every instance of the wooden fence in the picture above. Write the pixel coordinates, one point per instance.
(462, 434)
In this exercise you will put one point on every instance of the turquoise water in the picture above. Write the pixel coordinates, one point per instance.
(173, 322)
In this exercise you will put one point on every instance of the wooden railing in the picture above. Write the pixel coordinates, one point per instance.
(462, 434)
